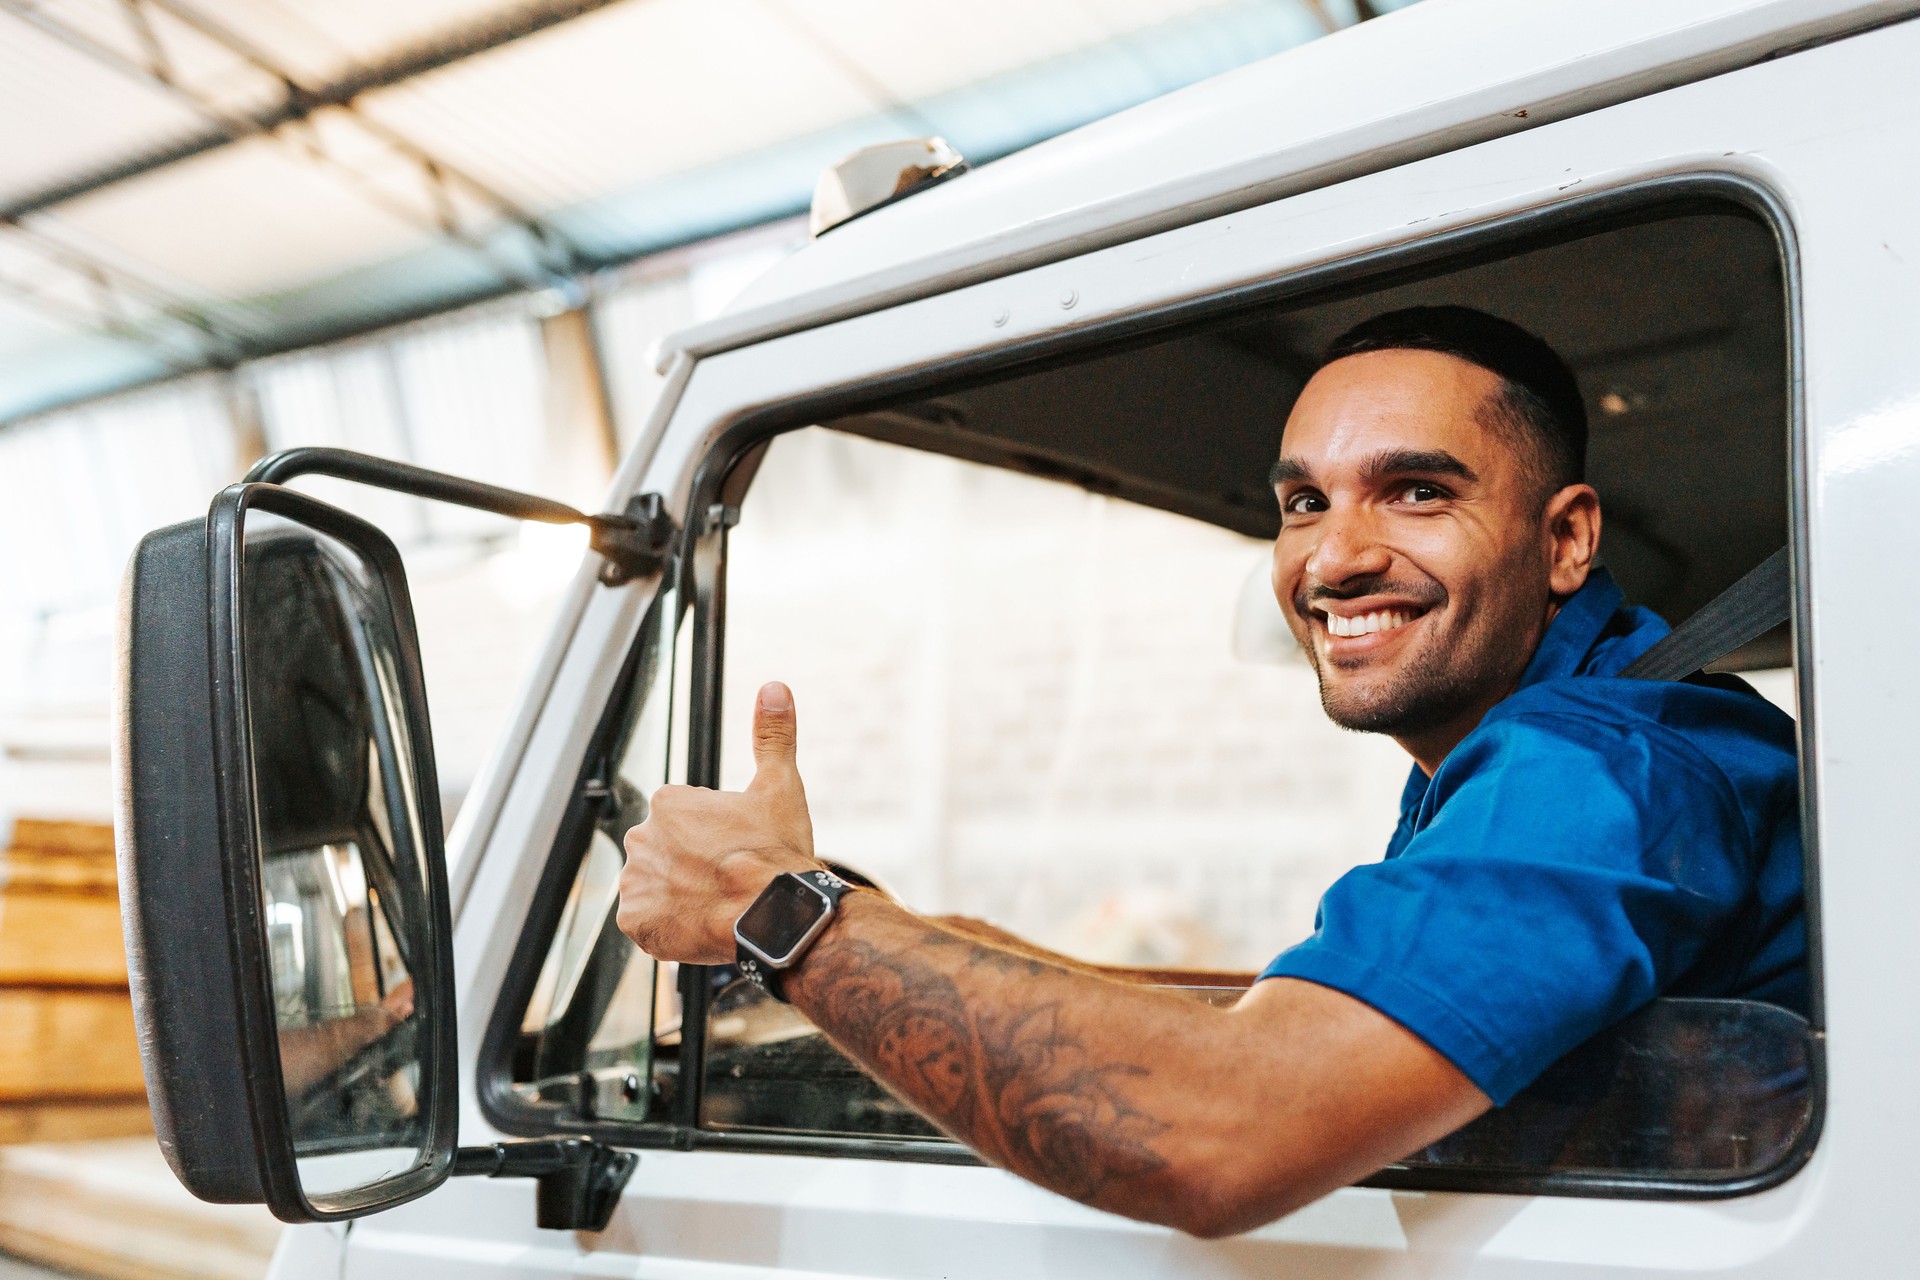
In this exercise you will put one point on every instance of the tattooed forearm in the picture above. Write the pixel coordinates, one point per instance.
(1059, 1113)
(905, 1019)
(1005, 1071)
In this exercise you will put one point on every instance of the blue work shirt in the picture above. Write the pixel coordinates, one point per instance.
(1593, 843)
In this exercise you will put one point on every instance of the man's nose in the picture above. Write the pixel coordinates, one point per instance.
(1346, 546)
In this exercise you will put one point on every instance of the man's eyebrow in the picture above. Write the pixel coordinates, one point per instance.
(1425, 462)
(1285, 469)
(1389, 462)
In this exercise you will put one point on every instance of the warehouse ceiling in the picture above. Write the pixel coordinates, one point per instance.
(193, 183)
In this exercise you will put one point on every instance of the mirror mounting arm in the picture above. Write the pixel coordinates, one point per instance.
(580, 1180)
(635, 543)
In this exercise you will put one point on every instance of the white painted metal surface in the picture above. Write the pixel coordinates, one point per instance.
(1830, 134)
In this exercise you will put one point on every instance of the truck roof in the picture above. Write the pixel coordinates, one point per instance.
(1423, 80)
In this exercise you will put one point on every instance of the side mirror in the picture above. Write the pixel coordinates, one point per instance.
(283, 876)
(283, 879)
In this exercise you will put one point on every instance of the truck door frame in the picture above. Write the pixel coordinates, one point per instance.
(1628, 146)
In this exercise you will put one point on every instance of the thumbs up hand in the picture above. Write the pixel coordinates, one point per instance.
(776, 777)
(702, 857)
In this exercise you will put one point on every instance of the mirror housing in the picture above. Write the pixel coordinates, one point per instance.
(213, 805)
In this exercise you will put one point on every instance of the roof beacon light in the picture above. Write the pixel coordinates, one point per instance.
(879, 175)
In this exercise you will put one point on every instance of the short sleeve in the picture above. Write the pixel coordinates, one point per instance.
(1571, 869)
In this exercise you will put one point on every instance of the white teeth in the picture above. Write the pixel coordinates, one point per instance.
(1368, 623)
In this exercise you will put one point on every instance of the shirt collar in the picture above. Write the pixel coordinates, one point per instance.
(1575, 630)
(1588, 636)
(1591, 635)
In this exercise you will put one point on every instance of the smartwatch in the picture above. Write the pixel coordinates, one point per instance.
(771, 935)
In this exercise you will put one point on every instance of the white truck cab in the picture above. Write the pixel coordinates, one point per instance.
(873, 479)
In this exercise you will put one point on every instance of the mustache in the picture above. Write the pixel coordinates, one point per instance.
(1424, 593)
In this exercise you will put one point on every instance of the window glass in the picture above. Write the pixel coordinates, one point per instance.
(1021, 706)
(1019, 702)
(599, 1038)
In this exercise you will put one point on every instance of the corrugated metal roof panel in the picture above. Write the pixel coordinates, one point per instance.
(636, 126)
(324, 41)
(894, 45)
(67, 113)
(257, 219)
(49, 360)
(631, 93)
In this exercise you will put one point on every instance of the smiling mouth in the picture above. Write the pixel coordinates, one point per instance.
(1366, 624)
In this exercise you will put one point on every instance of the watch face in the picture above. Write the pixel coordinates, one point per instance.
(779, 918)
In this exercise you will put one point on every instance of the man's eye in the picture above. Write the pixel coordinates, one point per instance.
(1304, 503)
(1420, 491)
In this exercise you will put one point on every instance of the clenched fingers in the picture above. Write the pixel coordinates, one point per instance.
(697, 862)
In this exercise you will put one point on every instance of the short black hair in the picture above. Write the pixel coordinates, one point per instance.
(1541, 399)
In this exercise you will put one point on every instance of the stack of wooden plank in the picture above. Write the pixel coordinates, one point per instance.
(107, 1207)
(112, 1210)
(69, 1061)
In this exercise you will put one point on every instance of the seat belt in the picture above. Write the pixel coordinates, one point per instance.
(1748, 609)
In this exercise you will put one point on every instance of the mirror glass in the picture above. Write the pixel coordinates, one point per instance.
(343, 858)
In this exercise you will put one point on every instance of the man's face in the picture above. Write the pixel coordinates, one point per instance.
(1415, 562)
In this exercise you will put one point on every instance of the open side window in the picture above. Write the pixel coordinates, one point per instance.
(1040, 691)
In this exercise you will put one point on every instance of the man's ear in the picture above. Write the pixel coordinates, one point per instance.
(1572, 525)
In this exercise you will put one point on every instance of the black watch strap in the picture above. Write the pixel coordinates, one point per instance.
(765, 976)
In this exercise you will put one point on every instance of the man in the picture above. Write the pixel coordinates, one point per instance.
(1570, 845)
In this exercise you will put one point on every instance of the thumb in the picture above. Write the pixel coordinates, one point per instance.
(775, 734)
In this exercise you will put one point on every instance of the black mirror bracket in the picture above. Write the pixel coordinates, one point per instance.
(580, 1180)
(635, 543)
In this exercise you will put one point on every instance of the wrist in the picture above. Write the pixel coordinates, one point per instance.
(803, 983)
(790, 914)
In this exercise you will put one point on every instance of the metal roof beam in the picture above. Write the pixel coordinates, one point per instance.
(444, 50)
(555, 258)
(115, 301)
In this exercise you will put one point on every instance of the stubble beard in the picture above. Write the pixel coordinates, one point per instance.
(1426, 693)
(1446, 678)
(1455, 671)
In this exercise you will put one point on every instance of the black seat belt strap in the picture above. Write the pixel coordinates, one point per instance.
(1748, 609)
